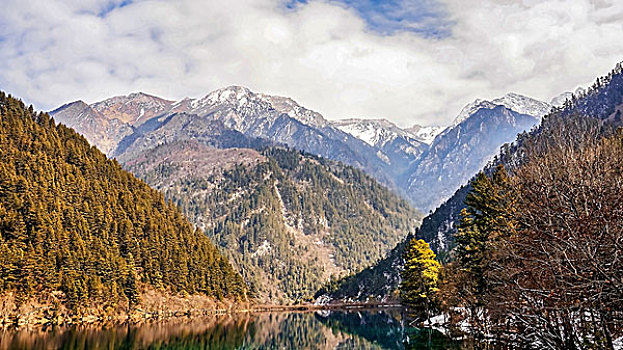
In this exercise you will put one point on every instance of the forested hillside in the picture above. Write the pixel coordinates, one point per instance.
(287, 220)
(536, 257)
(73, 221)
(601, 104)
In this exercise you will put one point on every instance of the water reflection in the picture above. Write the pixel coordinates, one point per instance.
(378, 329)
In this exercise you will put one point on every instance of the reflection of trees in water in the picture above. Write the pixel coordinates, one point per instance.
(210, 333)
(427, 339)
(386, 329)
(335, 330)
(299, 331)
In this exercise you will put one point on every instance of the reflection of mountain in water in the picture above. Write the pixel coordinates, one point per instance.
(330, 330)
(385, 328)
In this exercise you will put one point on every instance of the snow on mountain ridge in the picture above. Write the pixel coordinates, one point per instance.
(518, 103)
(138, 98)
(560, 100)
(240, 97)
(375, 132)
(293, 109)
(425, 134)
(524, 105)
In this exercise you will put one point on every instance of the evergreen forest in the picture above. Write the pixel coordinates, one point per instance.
(73, 221)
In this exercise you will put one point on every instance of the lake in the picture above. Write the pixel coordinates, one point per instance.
(371, 329)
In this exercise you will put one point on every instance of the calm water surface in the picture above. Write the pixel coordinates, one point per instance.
(378, 329)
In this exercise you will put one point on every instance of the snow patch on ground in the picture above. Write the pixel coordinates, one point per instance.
(263, 249)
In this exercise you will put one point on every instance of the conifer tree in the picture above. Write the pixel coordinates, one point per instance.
(487, 218)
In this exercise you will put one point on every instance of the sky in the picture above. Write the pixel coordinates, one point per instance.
(412, 61)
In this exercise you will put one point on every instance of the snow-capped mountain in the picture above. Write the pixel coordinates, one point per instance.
(523, 105)
(420, 163)
(245, 101)
(425, 134)
(274, 119)
(397, 147)
(375, 132)
(463, 148)
(559, 101)
(518, 103)
(290, 107)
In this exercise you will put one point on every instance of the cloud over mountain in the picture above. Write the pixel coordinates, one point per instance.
(410, 61)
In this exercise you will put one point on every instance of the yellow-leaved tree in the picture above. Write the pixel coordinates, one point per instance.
(419, 277)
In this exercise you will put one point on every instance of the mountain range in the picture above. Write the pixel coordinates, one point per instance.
(422, 164)
(287, 219)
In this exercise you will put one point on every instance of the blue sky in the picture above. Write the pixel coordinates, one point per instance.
(411, 61)
(427, 18)
(110, 6)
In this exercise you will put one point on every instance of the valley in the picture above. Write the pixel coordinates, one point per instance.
(311, 174)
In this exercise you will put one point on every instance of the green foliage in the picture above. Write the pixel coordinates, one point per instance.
(72, 220)
(420, 275)
(487, 218)
(378, 281)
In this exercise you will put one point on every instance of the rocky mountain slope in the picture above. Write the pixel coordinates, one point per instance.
(124, 108)
(447, 157)
(277, 120)
(406, 160)
(287, 220)
(100, 130)
(461, 150)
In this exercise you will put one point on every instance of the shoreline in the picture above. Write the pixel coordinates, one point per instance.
(137, 317)
(331, 306)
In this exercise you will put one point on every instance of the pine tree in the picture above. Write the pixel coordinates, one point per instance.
(487, 218)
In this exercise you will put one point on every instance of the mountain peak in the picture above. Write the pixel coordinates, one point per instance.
(524, 105)
(513, 101)
(71, 105)
(133, 108)
(231, 93)
(374, 132)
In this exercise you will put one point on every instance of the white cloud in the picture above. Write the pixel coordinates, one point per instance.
(321, 54)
